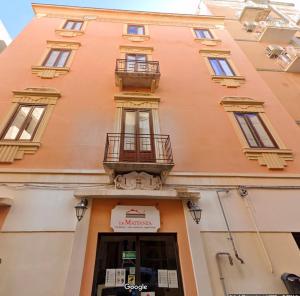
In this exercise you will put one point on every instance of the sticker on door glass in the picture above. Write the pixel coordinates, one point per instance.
(132, 270)
(162, 278)
(110, 278)
(120, 277)
(147, 293)
(131, 279)
(172, 279)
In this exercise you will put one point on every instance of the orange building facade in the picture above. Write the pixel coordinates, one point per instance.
(142, 121)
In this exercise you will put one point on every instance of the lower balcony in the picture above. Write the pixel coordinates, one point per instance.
(254, 13)
(148, 153)
(289, 59)
(137, 74)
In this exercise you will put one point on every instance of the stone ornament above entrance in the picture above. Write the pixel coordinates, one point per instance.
(135, 219)
(135, 180)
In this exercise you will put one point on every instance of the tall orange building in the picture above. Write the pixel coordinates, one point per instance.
(181, 163)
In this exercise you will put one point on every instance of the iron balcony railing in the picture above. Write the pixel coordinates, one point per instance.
(131, 66)
(143, 148)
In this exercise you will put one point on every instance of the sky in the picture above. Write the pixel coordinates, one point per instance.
(15, 14)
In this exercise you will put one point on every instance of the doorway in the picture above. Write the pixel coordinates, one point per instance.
(148, 262)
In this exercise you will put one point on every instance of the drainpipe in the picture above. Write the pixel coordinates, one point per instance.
(228, 228)
(243, 193)
(220, 270)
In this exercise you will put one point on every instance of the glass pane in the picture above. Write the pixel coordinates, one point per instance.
(207, 34)
(34, 120)
(17, 123)
(132, 29)
(216, 67)
(69, 25)
(199, 33)
(130, 62)
(129, 137)
(247, 132)
(52, 58)
(262, 133)
(63, 59)
(226, 68)
(77, 26)
(141, 63)
(144, 129)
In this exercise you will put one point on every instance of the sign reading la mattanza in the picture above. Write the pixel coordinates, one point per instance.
(135, 219)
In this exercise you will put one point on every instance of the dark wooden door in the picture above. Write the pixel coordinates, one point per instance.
(137, 139)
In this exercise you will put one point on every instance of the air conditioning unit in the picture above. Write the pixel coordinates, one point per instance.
(274, 51)
(250, 26)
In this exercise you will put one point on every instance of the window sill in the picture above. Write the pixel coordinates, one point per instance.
(15, 150)
(136, 38)
(49, 72)
(229, 81)
(69, 33)
(208, 42)
(274, 159)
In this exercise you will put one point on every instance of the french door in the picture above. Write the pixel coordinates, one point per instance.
(137, 139)
(136, 62)
(149, 261)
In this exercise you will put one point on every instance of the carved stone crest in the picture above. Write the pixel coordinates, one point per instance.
(135, 180)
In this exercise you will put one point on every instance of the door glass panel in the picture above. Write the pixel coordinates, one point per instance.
(247, 132)
(150, 261)
(17, 123)
(32, 124)
(144, 131)
(216, 67)
(263, 135)
(77, 26)
(69, 25)
(129, 137)
(136, 62)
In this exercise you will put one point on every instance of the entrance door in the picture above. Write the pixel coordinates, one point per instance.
(149, 261)
(137, 140)
(136, 63)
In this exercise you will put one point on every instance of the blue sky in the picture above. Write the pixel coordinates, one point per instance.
(15, 14)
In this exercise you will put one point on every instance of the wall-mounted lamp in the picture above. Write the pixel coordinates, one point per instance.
(195, 211)
(80, 208)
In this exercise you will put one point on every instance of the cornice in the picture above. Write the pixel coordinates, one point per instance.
(112, 15)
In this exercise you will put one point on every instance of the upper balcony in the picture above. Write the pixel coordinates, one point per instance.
(275, 30)
(254, 12)
(148, 153)
(289, 59)
(137, 74)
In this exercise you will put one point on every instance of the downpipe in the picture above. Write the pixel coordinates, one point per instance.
(236, 254)
(221, 276)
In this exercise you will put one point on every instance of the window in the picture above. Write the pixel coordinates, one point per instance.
(135, 30)
(73, 25)
(255, 131)
(221, 67)
(203, 34)
(24, 122)
(57, 58)
(296, 236)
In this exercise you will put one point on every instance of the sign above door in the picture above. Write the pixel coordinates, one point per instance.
(135, 219)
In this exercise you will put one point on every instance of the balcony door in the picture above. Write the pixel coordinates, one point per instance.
(137, 139)
(136, 62)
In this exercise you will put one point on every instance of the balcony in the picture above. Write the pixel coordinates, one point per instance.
(137, 74)
(289, 60)
(276, 31)
(254, 13)
(138, 152)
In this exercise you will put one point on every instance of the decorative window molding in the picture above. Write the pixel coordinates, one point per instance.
(228, 81)
(127, 49)
(213, 41)
(62, 31)
(51, 72)
(11, 150)
(273, 158)
(136, 37)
